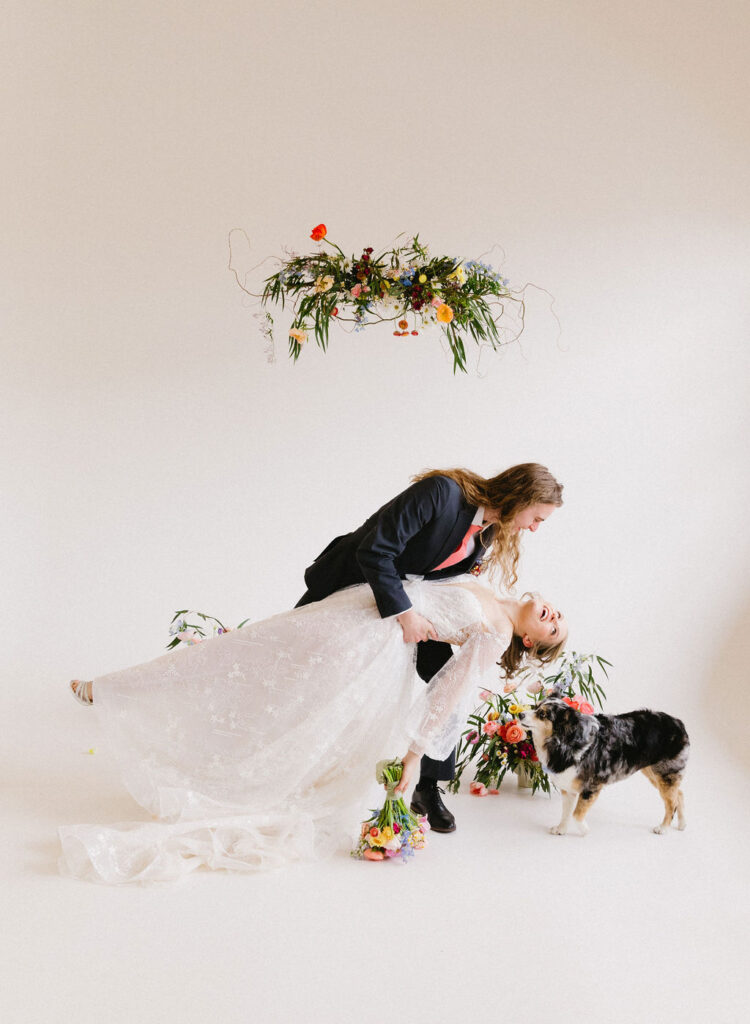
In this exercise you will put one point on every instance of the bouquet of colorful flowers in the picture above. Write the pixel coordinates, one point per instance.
(393, 831)
(403, 284)
(497, 743)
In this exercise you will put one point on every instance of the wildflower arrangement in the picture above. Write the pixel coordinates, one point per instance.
(403, 284)
(184, 632)
(496, 742)
(393, 831)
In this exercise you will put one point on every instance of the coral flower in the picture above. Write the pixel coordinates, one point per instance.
(299, 336)
(509, 687)
(489, 728)
(319, 232)
(373, 855)
(572, 703)
(585, 708)
(514, 732)
(477, 789)
(444, 314)
(403, 324)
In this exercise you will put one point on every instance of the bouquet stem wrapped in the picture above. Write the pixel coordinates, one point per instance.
(392, 831)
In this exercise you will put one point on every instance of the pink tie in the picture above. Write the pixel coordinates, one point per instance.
(460, 553)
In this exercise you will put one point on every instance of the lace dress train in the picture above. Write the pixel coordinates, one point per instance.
(257, 747)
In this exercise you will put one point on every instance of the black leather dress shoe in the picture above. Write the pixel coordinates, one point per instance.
(426, 800)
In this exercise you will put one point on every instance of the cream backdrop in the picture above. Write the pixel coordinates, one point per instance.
(154, 459)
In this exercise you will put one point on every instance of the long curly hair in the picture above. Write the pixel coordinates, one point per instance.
(506, 494)
(516, 657)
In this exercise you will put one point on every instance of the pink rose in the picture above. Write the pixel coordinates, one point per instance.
(436, 302)
(356, 290)
(478, 789)
(489, 728)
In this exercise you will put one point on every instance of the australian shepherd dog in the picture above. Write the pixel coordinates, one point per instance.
(583, 753)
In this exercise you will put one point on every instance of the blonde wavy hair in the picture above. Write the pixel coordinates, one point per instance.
(506, 494)
(517, 657)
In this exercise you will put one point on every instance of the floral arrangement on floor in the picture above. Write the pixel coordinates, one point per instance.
(496, 743)
(403, 284)
(393, 831)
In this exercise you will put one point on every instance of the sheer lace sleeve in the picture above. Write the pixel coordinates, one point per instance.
(439, 715)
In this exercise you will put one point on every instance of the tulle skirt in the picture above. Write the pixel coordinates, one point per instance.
(252, 749)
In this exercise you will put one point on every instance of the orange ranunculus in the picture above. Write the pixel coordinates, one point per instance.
(403, 324)
(373, 855)
(319, 232)
(514, 732)
(444, 314)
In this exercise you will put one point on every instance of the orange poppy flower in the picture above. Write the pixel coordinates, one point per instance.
(444, 314)
(319, 232)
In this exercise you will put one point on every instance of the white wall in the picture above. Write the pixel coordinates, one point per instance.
(154, 460)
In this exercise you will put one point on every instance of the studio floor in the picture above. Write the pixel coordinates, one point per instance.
(499, 920)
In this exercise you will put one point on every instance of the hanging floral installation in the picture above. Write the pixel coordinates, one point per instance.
(404, 285)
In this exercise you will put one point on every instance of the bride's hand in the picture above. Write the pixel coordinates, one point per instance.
(415, 627)
(410, 772)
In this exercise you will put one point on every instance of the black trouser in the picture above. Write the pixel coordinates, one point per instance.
(431, 656)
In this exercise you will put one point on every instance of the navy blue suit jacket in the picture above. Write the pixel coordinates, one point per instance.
(411, 534)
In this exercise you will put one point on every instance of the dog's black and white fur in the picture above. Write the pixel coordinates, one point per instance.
(583, 753)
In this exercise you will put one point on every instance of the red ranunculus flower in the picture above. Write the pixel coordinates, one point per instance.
(319, 232)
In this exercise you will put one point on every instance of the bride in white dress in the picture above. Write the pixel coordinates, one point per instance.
(258, 747)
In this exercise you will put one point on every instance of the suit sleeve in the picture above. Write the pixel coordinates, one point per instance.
(403, 519)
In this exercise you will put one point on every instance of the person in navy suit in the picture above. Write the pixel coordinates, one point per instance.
(447, 523)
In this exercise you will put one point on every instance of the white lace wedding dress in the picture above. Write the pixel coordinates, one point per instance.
(258, 747)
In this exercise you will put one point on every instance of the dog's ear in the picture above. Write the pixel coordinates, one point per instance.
(588, 727)
(579, 730)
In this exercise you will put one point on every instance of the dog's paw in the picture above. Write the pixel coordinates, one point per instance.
(583, 828)
(659, 830)
(682, 827)
(557, 830)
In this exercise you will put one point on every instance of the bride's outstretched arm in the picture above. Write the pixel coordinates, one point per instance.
(439, 715)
